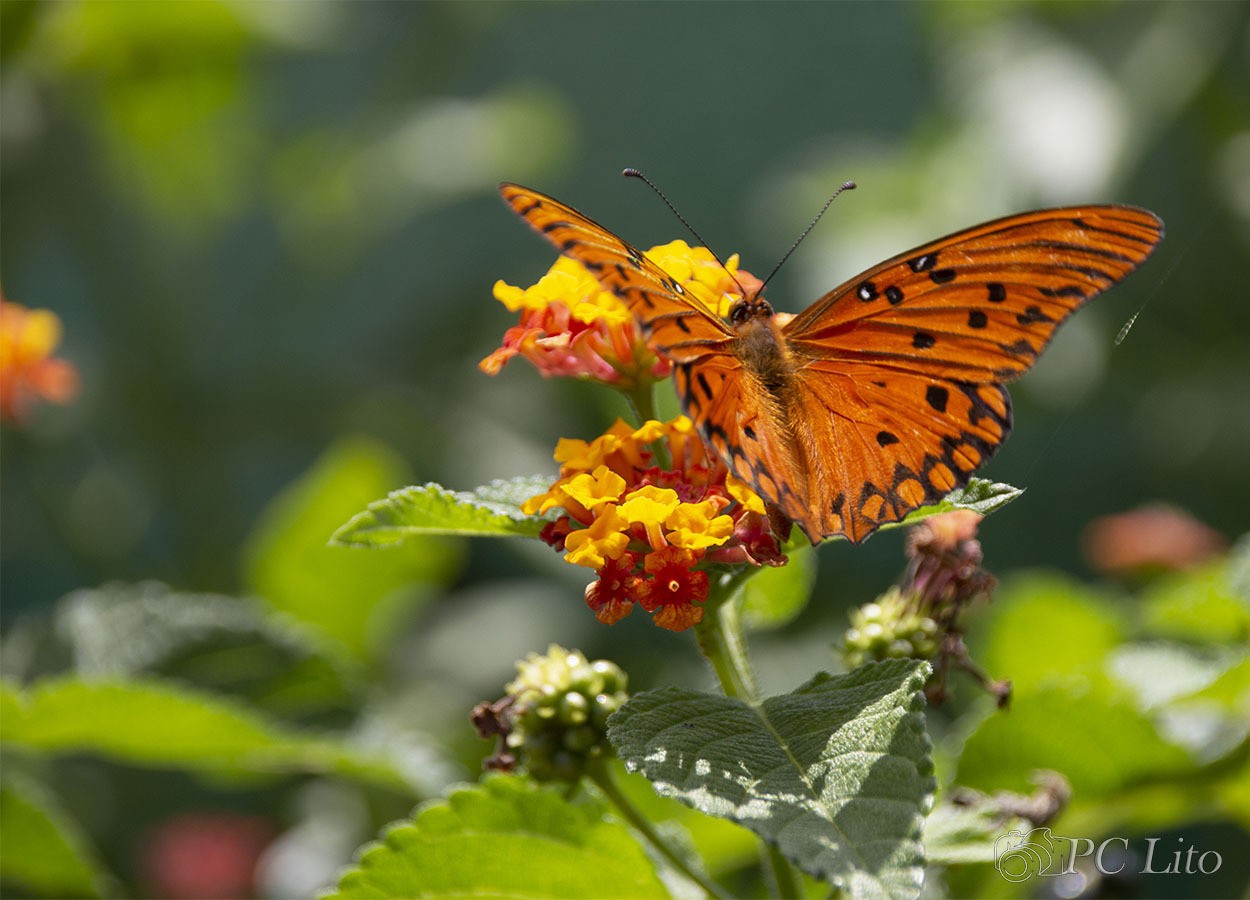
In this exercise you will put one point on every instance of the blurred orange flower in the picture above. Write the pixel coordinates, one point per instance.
(1152, 538)
(28, 370)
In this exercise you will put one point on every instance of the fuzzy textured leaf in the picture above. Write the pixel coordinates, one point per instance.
(493, 510)
(157, 724)
(837, 774)
(503, 838)
(979, 495)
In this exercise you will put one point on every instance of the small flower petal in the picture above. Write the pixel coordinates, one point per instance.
(605, 539)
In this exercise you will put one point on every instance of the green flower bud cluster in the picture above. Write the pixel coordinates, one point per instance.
(890, 628)
(560, 712)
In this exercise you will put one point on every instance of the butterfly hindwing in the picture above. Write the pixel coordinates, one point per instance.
(739, 419)
(878, 443)
(677, 325)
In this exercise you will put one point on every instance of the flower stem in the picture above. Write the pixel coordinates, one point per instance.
(722, 642)
(641, 399)
(785, 880)
(603, 779)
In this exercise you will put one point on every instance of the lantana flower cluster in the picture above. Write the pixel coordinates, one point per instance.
(650, 509)
(571, 326)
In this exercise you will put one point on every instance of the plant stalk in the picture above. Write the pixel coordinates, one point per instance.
(723, 643)
(602, 777)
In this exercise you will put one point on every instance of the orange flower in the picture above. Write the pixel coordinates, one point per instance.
(571, 326)
(650, 530)
(27, 368)
(612, 594)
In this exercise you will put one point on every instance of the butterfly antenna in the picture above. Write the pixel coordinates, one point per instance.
(849, 186)
(634, 173)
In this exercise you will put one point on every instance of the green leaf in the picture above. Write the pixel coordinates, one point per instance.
(1204, 606)
(979, 495)
(156, 724)
(1041, 626)
(503, 838)
(1097, 738)
(965, 834)
(837, 774)
(45, 850)
(776, 594)
(221, 643)
(348, 596)
(493, 510)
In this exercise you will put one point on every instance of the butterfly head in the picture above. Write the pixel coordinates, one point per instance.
(748, 309)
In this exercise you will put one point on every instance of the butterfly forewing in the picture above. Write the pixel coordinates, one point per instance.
(677, 324)
(979, 305)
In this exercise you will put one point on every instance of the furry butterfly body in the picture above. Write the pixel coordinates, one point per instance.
(886, 393)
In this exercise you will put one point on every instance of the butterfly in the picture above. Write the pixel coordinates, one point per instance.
(886, 393)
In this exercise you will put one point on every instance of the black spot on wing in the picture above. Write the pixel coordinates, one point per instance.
(923, 263)
(1032, 316)
(937, 397)
(977, 319)
(885, 438)
(997, 293)
(893, 295)
(1066, 291)
(1019, 348)
(942, 276)
(922, 340)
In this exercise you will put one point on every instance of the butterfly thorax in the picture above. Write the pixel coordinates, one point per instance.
(760, 345)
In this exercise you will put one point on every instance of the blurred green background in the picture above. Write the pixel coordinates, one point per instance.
(271, 231)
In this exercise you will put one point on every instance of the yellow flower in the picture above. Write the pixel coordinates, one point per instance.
(594, 489)
(569, 325)
(696, 526)
(604, 539)
(650, 507)
(579, 456)
(626, 487)
(742, 492)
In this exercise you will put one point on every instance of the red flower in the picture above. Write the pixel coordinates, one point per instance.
(204, 854)
(611, 596)
(673, 588)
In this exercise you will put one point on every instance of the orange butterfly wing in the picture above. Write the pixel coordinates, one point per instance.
(675, 324)
(898, 373)
(886, 393)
